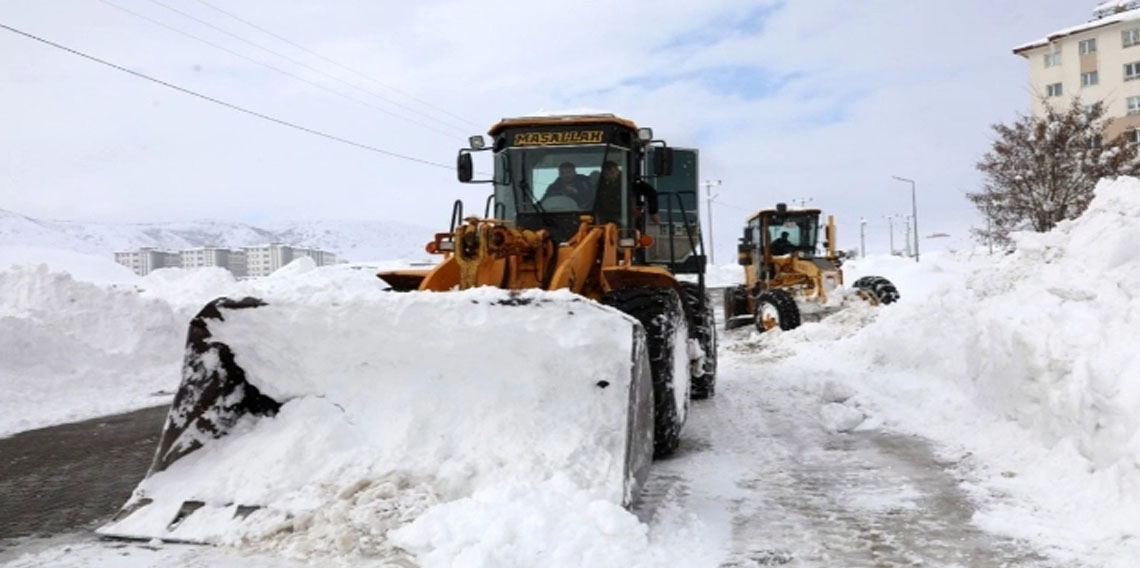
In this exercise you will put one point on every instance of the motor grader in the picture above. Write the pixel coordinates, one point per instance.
(786, 280)
(538, 283)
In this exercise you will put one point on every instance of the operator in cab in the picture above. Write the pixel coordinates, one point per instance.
(573, 185)
(610, 187)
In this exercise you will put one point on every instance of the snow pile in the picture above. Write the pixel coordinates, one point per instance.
(87, 267)
(439, 395)
(1047, 334)
(552, 523)
(75, 349)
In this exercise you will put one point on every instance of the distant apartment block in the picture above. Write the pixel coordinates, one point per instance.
(244, 262)
(233, 260)
(1095, 61)
(263, 260)
(146, 259)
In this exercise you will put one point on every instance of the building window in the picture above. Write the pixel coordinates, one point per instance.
(1088, 46)
(1132, 136)
(1133, 105)
(1131, 70)
(1053, 90)
(1089, 79)
(1130, 37)
(1053, 59)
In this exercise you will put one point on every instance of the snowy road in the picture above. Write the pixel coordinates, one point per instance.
(759, 467)
(956, 428)
(73, 476)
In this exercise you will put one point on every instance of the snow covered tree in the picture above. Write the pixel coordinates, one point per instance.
(1043, 170)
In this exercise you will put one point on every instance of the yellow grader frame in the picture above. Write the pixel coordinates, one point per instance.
(787, 282)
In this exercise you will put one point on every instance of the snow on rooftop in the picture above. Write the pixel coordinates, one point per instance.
(1110, 7)
(1104, 15)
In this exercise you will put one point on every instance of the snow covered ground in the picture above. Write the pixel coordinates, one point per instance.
(994, 410)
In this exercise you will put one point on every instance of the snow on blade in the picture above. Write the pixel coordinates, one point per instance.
(404, 400)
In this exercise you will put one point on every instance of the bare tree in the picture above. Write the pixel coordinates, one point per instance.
(1043, 170)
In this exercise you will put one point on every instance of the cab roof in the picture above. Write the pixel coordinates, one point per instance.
(789, 211)
(561, 120)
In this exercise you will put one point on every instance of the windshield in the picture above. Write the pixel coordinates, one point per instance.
(561, 179)
(797, 232)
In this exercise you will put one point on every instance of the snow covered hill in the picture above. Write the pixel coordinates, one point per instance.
(349, 240)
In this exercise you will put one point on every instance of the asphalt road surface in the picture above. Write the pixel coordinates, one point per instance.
(75, 476)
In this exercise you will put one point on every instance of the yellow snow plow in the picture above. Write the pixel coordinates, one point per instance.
(547, 341)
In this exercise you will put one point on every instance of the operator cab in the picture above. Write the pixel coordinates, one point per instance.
(783, 231)
(548, 171)
(601, 156)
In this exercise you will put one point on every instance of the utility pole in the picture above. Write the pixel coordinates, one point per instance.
(891, 225)
(913, 212)
(862, 238)
(709, 199)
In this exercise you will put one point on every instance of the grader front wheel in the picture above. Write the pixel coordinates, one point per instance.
(776, 309)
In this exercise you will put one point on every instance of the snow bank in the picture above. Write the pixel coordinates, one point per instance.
(75, 350)
(87, 267)
(1044, 336)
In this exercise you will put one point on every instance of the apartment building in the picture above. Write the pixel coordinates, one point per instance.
(146, 259)
(244, 262)
(232, 260)
(263, 260)
(1098, 60)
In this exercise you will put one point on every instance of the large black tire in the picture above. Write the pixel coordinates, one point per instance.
(661, 314)
(736, 304)
(776, 308)
(702, 327)
(881, 288)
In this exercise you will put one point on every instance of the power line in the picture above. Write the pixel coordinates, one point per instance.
(349, 69)
(306, 66)
(223, 103)
(274, 68)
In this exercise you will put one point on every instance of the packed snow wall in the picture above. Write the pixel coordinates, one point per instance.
(1045, 335)
(75, 349)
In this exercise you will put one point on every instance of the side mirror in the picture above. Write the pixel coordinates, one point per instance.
(744, 254)
(663, 161)
(464, 167)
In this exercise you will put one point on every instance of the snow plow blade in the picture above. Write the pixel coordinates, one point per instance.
(288, 405)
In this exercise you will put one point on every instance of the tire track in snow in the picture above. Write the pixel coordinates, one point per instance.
(793, 494)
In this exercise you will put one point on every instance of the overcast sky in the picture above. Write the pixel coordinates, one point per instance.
(787, 101)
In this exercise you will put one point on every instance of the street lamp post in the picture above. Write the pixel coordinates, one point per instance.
(914, 212)
(891, 228)
(908, 241)
(862, 238)
(709, 197)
